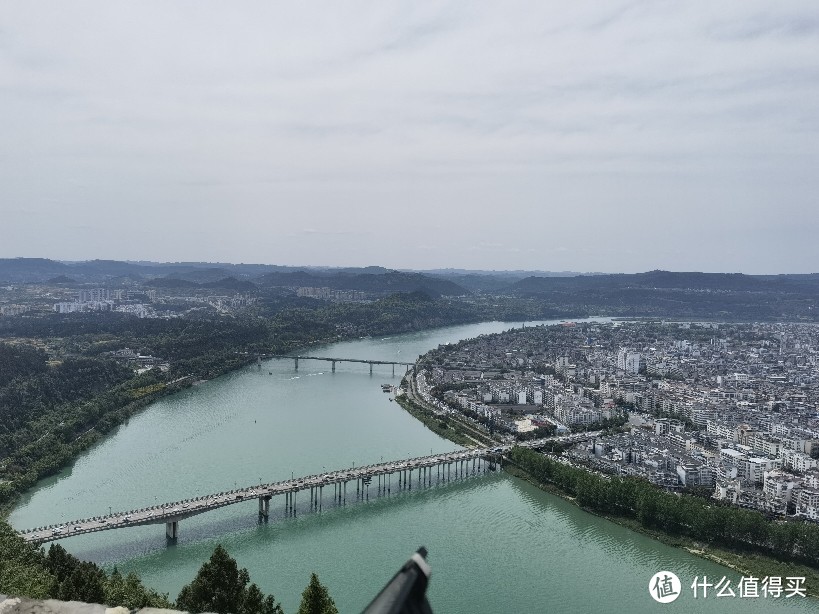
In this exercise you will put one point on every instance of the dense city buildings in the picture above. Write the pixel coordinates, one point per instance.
(731, 408)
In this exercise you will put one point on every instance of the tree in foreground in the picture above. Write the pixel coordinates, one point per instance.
(129, 591)
(22, 567)
(315, 599)
(221, 587)
(75, 580)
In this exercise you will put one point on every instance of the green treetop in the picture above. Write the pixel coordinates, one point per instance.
(315, 599)
(221, 587)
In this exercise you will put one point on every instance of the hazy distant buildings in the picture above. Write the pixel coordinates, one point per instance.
(13, 310)
(96, 295)
(331, 294)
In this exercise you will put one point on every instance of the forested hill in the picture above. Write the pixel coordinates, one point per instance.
(670, 280)
(668, 294)
(390, 282)
(239, 277)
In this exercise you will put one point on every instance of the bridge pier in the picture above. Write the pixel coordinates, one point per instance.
(290, 503)
(334, 366)
(297, 363)
(371, 368)
(393, 369)
(264, 507)
(482, 462)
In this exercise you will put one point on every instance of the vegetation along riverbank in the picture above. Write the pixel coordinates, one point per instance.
(64, 383)
(719, 537)
(740, 539)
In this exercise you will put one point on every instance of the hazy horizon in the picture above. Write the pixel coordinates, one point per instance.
(624, 137)
(442, 269)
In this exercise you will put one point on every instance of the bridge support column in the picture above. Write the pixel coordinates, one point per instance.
(334, 366)
(393, 369)
(371, 368)
(264, 507)
(172, 529)
(297, 363)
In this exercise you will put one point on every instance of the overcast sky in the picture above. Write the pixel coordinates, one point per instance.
(600, 136)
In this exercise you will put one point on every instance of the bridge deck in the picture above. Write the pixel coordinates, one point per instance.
(179, 510)
(358, 360)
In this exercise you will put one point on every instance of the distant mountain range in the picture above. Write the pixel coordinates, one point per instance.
(666, 280)
(591, 289)
(238, 277)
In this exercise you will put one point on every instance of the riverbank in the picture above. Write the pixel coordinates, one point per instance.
(448, 427)
(116, 406)
(435, 423)
(756, 565)
(197, 350)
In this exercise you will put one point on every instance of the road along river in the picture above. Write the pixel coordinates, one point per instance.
(496, 543)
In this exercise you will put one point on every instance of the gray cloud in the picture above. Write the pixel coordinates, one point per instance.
(197, 130)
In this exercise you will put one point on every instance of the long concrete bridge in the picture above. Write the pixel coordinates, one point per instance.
(384, 477)
(296, 359)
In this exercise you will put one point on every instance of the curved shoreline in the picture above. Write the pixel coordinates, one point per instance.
(757, 565)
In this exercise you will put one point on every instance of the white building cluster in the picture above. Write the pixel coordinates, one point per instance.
(733, 408)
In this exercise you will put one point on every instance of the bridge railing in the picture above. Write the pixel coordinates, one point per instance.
(300, 483)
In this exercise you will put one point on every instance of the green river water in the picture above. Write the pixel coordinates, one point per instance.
(496, 543)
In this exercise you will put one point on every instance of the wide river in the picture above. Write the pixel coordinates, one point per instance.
(496, 543)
